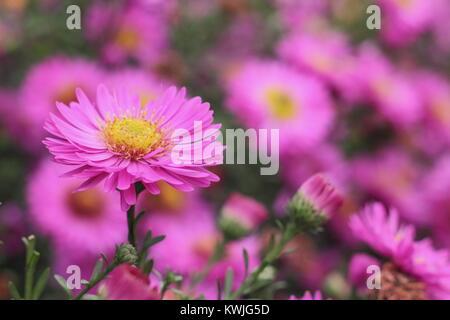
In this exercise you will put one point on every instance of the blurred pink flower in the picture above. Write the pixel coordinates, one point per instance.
(393, 176)
(131, 32)
(191, 237)
(392, 91)
(52, 80)
(298, 14)
(404, 20)
(90, 221)
(269, 95)
(358, 272)
(137, 81)
(127, 282)
(436, 186)
(244, 211)
(425, 270)
(100, 142)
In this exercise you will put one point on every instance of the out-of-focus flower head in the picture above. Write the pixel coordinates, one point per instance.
(191, 238)
(358, 271)
(127, 282)
(270, 95)
(120, 143)
(241, 215)
(232, 259)
(89, 222)
(404, 20)
(130, 33)
(391, 91)
(52, 80)
(393, 176)
(137, 81)
(436, 186)
(425, 271)
(298, 14)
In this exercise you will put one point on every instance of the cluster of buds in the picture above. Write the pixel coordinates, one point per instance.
(314, 203)
(126, 253)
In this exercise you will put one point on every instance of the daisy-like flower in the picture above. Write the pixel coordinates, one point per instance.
(412, 269)
(120, 142)
(266, 94)
(87, 222)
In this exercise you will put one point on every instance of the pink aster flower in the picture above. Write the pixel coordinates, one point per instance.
(436, 186)
(191, 237)
(131, 32)
(415, 270)
(393, 176)
(403, 21)
(265, 94)
(90, 221)
(243, 212)
(358, 271)
(137, 81)
(127, 282)
(298, 14)
(392, 91)
(120, 142)
(50, 81)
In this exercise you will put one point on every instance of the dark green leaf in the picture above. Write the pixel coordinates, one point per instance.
(41, 283)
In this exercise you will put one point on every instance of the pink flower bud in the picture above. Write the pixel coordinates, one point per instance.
(243, 212)
(321, 194)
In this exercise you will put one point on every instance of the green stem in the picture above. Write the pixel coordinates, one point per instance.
(97, 279)
(268, 260)
(131, 226)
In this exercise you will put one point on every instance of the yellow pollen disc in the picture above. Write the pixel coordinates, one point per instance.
(281, 105)
(133, 138)
(127, 39)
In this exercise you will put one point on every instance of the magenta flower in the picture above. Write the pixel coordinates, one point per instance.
(321, 194)
(124, 32)
(50, 81)
(127, 282)
(120, 143)
(89, 222)
(243, 212)
(424, 271)
(266, 95)
(358, 272)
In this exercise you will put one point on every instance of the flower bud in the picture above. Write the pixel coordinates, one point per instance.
(127, 253)
(241, 215)
(315, 201)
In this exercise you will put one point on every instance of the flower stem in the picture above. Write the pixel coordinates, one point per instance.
(97, 279)
(273, 254)
(131, 226)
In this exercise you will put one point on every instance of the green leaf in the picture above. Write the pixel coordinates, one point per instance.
(90, 297)
(41, 283)
(279, 224)
(13, 291)
(62, 282)
(148, 267)
(291, 250)
(30, 244)
(245, 254)
(97, 269)
(153, 241)
(228, 283)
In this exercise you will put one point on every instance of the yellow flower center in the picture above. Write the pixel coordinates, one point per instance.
(66, 94)
(134, 137)
(281, 105)
(86, 204)
(127, 38)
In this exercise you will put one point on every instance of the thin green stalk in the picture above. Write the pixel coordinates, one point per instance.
(97, 279)
(131, 226)
(274, 253)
